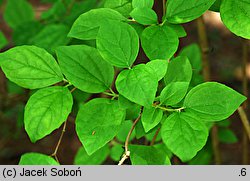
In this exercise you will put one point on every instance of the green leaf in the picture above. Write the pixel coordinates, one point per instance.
(138, 84)
(84, 68)
(3, 40)
(159, 42)
(183, 11)
(224, 123)
(98, 122)
(30, 67)
(57, 37)
(193, 52)
(118, 43)
(159, 67)
(203, 157)
(133, 112)
(147, 155)
(25, 32)
(179, 70)
(162, 147)
(151, 117)
(213, 101)
(18, 12)
(142, 3)
(125, 103)
(235, 15)
(46, 110)
(80, 96)
(151, 134)
(138, 28)
(227, 136)
(97, 158)
(116, 152)
(122, 6)
(179, 29)
(14, 89)
(78, 8)
(173, 93)
(144, 16)
(139, 130)
(216, 6)
(123, 132)
(177, 79)
(184, 134)
(37, 159)
(55, 12)
(87, 25)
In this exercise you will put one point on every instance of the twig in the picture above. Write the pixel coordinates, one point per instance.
(204, 48)
(245, 121)
(72, 90)
(126, 155)
(54, 154)
(207, 77)
(215, 144)
(245, 143)
(155, 136)
(164, 7)
(169, 109)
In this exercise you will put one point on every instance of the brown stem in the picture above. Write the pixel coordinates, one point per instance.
(207, 77)
(204, 48)
(245, 121)
(3, 90)
(54, 154)
(164, 7)
(155, 136)
(72, 90)
(215, 145)
(245, 142)
(127, 152)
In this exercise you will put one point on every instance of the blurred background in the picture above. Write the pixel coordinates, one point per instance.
(45, 23)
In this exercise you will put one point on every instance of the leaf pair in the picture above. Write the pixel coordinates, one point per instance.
(116, 41)
(185, 133)
(143, 13)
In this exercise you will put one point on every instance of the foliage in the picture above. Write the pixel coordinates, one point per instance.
(61, 51)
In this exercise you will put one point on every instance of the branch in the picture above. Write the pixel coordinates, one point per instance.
(72, 90)
(245, 144)
(54, 154)
(204, 48)
(155, 136)
(126, 155)
(207, 77)
(169, 109)
(245, 121)
(164, 7)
